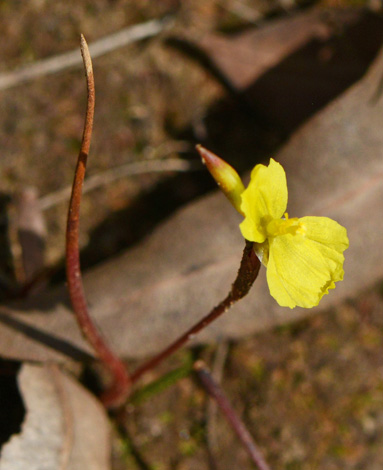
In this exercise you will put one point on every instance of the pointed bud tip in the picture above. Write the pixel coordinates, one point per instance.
(224, 174)
(211, 160)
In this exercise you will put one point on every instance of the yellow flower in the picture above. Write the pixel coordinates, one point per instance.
(304, 257)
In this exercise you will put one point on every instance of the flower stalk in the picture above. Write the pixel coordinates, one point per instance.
(248, 272)
(120, 387)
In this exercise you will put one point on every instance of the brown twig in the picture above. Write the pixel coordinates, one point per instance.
(113, 174)
(247, 274)
(215, 391)
(211, 414)
(119, 389)
(71, 59)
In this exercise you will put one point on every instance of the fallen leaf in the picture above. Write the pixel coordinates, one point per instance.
(65, 427)
(256, 51)
(146, 297)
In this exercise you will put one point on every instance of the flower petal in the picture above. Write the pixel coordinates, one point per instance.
(263, 200)
(326, 232)
(302, 269)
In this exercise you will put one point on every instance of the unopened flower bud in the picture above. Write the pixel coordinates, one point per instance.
(225, 176)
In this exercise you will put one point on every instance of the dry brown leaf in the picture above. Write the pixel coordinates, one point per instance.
(287, 78)
(65, 428)
(244, 58)
(148, 296)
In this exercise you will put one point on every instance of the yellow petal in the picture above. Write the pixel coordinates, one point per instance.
(326, 232)
(302, 268)
(263, 200)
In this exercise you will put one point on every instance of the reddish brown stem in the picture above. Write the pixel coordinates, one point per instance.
(120, 387)
(216, 392)
(247, 274)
